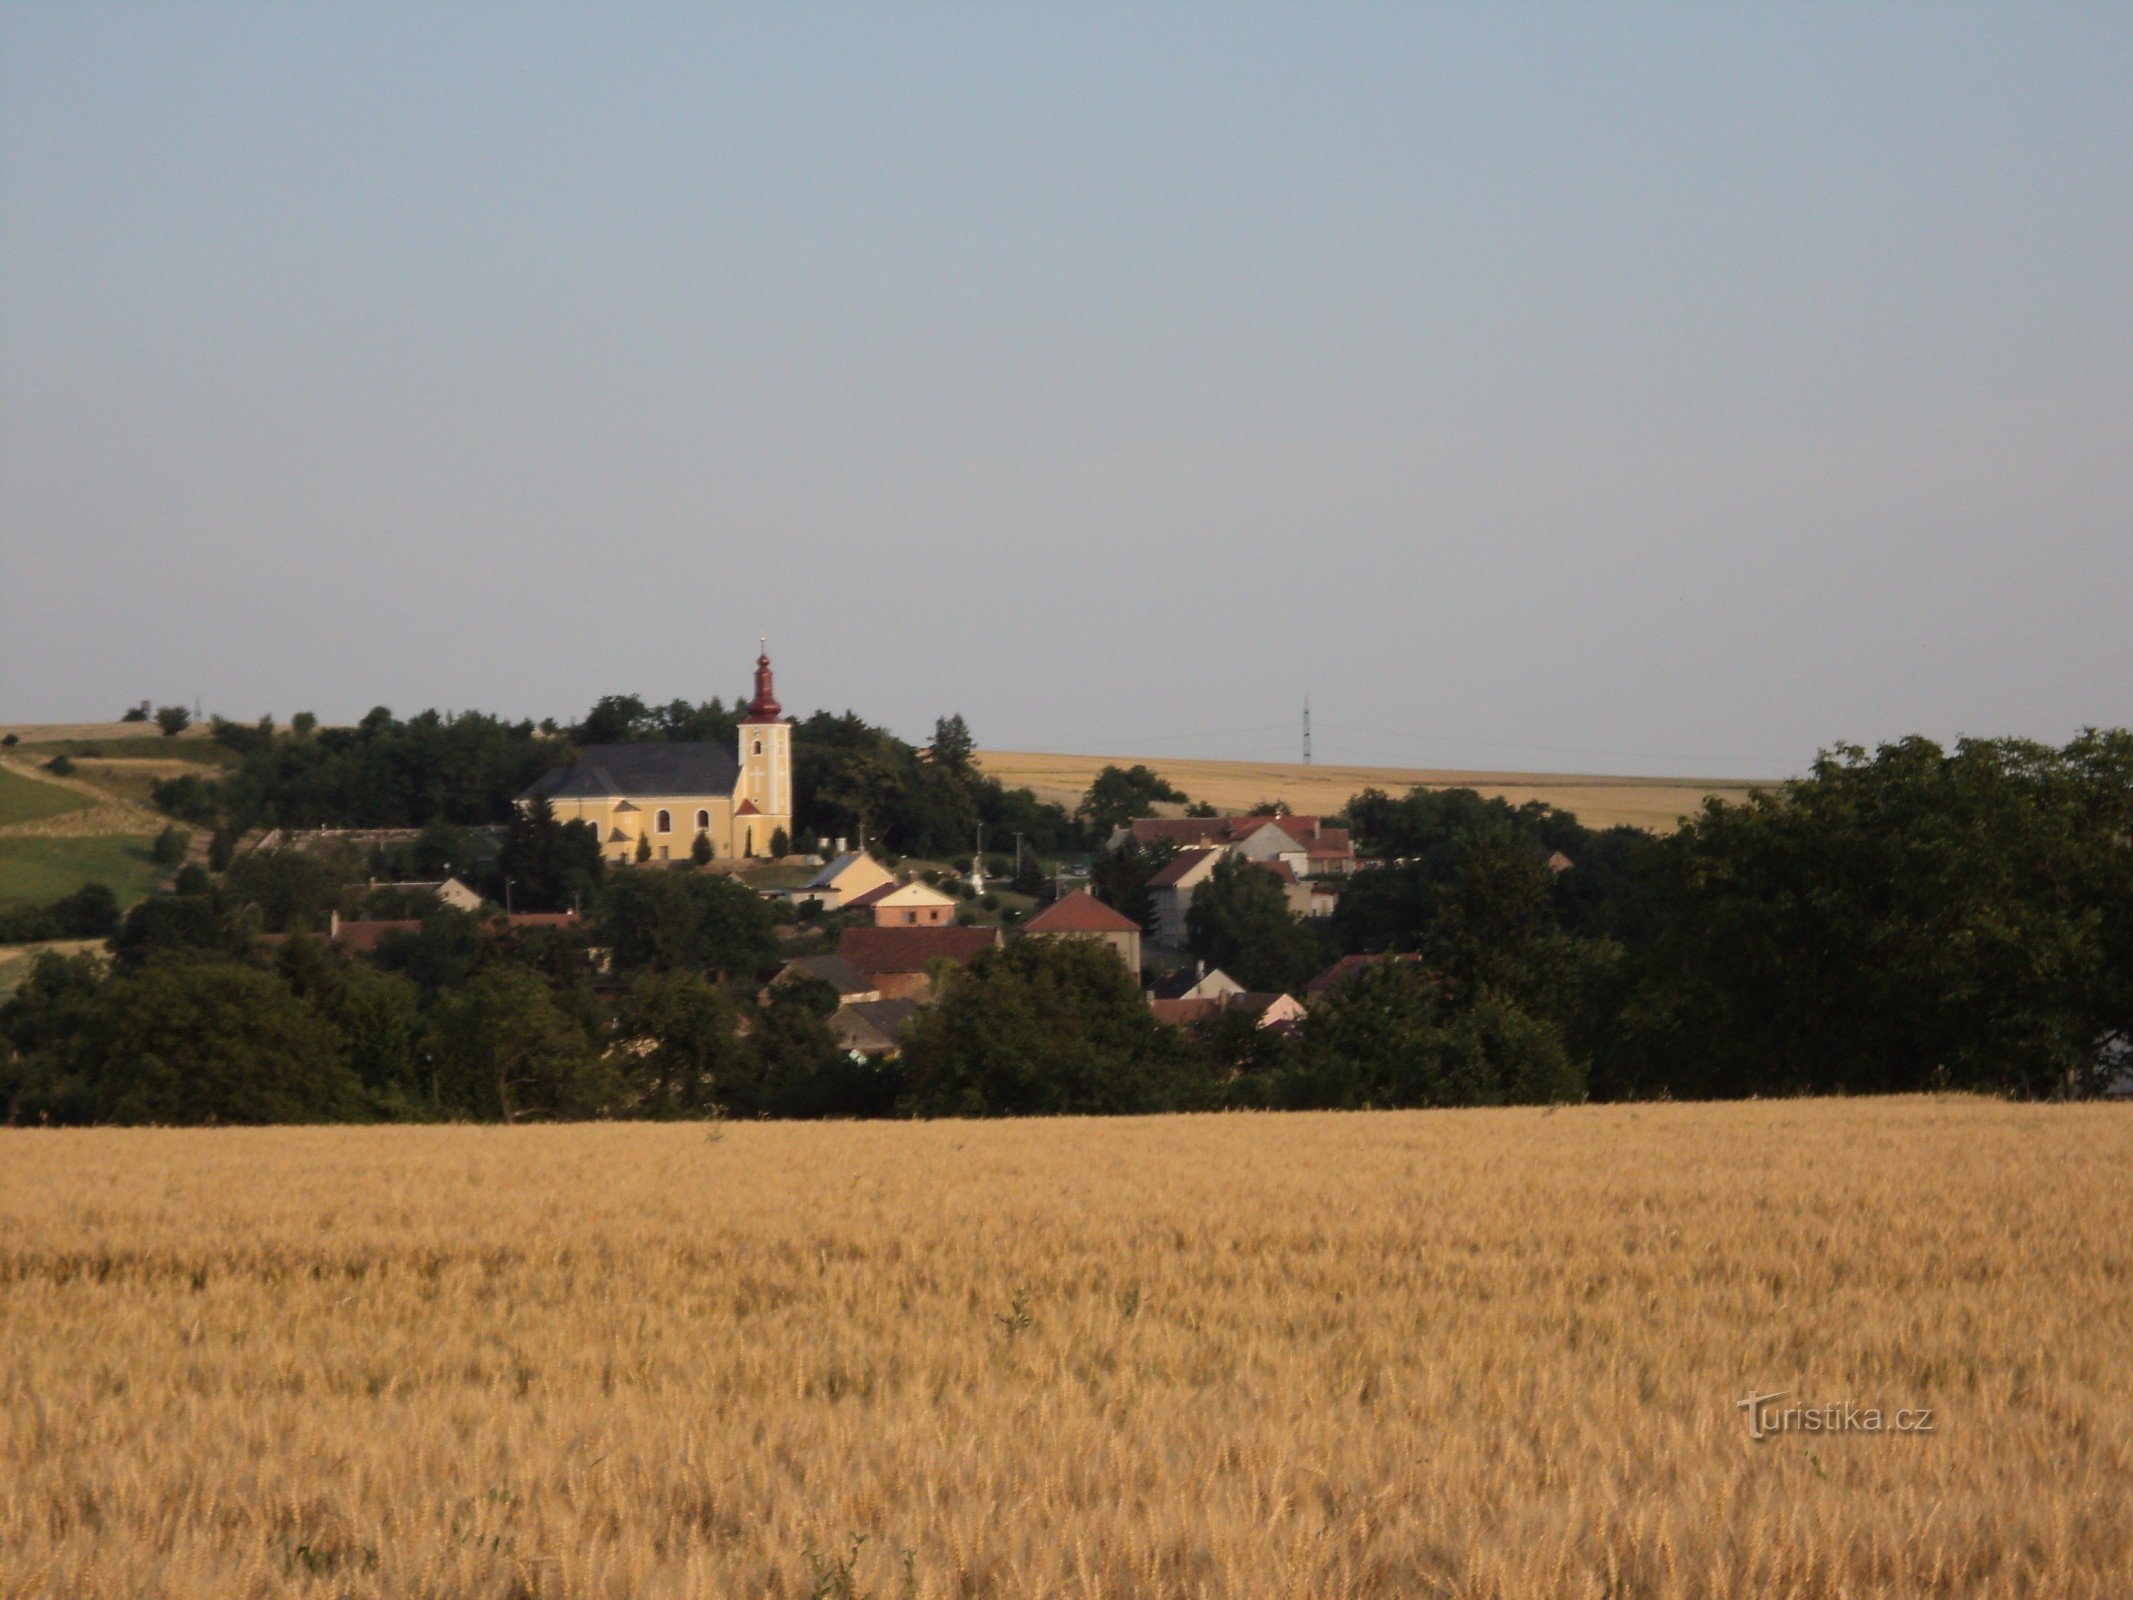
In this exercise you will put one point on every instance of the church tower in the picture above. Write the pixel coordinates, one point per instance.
(762, 800)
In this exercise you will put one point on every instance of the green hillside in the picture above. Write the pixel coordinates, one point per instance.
(32, 800)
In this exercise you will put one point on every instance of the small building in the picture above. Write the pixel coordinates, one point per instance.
(447, 891)
(1266, 1010)
(1311, 847)
(1172, 889)
(1196, 982)
(1346, 969)
(853, 986)
(906, 905)
(873, 1029)
(899, 961)
(844, 880)
(1081, 915)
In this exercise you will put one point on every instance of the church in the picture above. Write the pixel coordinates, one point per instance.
(665, 795)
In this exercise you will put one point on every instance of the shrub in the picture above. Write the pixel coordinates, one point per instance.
(173, 720)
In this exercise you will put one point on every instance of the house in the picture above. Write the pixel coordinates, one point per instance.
(362, 935)
(1180, 878)
(873, 1029)
(448, 891)
(844, 880)
(1347, 968)
(1172, 889)
(665, 796)
(1196, 982)
(1267, 1010)
(1311, 847)
(897, 960)
(852, 986)
(1081, 915)
(906, 905)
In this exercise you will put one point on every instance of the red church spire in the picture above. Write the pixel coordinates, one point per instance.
(764, 707)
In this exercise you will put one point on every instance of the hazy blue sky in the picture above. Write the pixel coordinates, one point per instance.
(1657, 388)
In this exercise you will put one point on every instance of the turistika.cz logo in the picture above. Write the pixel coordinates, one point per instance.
(1767, 1418)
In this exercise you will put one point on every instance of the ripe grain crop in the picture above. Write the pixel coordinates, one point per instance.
(1599, 802)
(1474, 1353)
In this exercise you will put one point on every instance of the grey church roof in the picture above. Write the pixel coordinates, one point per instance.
(602, 770)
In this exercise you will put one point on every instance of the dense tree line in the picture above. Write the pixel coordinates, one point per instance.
(1910, 918)
(465, 769)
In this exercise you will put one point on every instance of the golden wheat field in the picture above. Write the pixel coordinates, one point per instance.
(1484, 1353)
(1599, 802)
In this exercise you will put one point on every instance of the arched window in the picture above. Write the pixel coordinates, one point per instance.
(663, 822)
(703, 822)
(759, 747)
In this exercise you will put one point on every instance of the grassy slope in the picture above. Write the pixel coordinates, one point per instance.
(32, 800)
(38, 871)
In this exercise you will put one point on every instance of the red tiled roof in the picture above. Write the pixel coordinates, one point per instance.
(1080, 912)
(871, 895)
(362, 936)
(1347, 967)
(541, 919)
(747, 808)
(1280, 869)
(874, 950)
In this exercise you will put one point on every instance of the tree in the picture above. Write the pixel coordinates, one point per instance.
(685, 921)
(292, 888)
(644, 847)
(700, 850)
(1902, 920)
(780, 842)
(506, 1050)
(170, 846)
(952, 748)
(1119, 794)
(173, 720)
(681, 1048)
(1119, 878)
(1047, 1026)
(134, 714)
(1240, 921)
(303, 724)
(206, 1040)
(550, 865)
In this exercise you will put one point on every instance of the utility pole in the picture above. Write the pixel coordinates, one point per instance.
(1307, 730)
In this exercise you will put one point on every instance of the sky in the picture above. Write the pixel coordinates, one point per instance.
(1650, 389)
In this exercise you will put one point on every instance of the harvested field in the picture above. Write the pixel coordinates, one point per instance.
(1486, 1354)
(1599, 802)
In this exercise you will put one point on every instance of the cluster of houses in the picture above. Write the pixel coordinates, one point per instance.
(887, 962)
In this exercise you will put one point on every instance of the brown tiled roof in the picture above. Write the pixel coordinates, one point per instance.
(542, 919)
(1280, 869)
(362, 935)
(874, 950)
(1185, 1013)
(1347, 967)
(1180, 864)
(1080, 912)
(747, 808)
(835, 971)
(871, 895)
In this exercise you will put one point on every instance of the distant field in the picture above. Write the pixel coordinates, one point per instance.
(1599, 802)
(36, 871)
(1496, 1355)
(24, 799)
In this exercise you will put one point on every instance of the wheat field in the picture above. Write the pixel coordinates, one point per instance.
(1599, 802)
(1480, 1353)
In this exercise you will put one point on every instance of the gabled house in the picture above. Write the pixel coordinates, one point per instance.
(851, 984)
(1172, 889)
(1196, 982)
(1310, 847)
(1266, 1010)
(844, 880)
(873, 1029)
(1345, 969)
(897, 960)
(905, 905)
(1081, 915)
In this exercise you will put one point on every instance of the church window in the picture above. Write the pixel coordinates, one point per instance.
(759, 747)
(663, 822)
(703, 822)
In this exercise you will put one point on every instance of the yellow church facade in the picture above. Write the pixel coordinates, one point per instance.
(652, 801)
